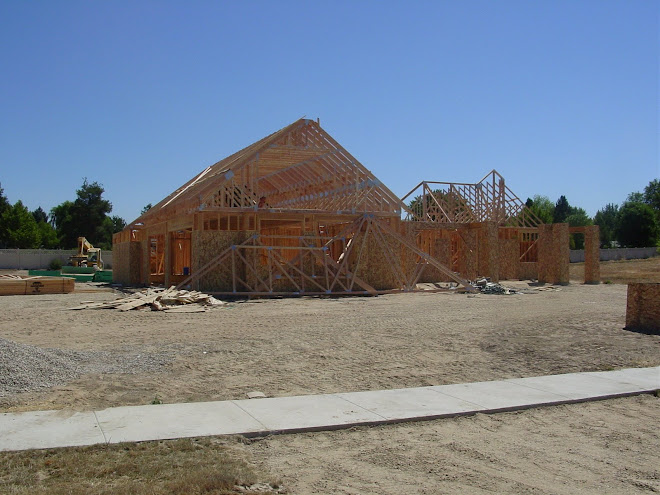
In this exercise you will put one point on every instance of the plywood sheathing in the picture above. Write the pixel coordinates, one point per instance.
(168, 260)
(554, 253)
(127, 263)
(592, 254)
(491, 251)
(381, 260)
(528, 270)
(509, 259)
(145, 265)
(206, 245)
(469, 264)
(643, 307)
(563, 253)
(546, 255)
(372, 248)
(437, 243)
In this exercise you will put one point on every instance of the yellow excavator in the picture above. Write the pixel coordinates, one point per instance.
(87, 255)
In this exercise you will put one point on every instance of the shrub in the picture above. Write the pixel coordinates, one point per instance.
(55, 264)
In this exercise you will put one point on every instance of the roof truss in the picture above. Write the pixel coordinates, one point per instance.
(488, 200)
(298, 167)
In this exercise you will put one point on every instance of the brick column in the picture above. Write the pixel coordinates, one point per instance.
(592, 255)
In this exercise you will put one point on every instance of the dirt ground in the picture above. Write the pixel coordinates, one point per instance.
(306, 346)
(623, 271)
(608, 447)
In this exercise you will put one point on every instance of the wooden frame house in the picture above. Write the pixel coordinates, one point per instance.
(296, 213)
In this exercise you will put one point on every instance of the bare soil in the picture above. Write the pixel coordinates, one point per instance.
(307, 346)
(302, 346)
(622, 271)
(608, 447)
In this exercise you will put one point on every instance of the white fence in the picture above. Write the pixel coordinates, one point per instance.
(577, 255)
(34, 259)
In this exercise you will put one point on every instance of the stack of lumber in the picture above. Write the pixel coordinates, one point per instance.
(11, 285)
(159, 299)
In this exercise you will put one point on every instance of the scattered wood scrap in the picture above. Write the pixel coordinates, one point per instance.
(159, 299)
(550, 288)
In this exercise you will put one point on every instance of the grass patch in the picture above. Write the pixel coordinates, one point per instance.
(185, 466)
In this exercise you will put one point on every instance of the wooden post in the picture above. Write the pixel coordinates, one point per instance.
(643, 308)
(592, 255)
(545, 262)
(562, 257)
(492, 254)
(167, 266)
(145, 242)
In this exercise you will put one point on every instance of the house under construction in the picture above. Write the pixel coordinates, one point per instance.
(296, 213)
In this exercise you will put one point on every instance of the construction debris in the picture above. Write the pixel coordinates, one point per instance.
(159, 299)
(493, 288)
(485, 286)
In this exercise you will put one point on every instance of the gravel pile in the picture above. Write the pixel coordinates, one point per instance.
(25, 368)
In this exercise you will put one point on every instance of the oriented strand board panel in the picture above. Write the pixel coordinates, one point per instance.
(470, 262)
(563, 253)
(127, 263)
(643, 308)
(545, 261)
(508, 258)
(528, 270)
(554, 253)
(374, 261)
(592, 255)
(207, 245)
(442, 252)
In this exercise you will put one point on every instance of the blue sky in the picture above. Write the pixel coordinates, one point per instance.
(561, 97)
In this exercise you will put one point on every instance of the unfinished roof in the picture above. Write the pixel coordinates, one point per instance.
(299, 167)
(489, 200)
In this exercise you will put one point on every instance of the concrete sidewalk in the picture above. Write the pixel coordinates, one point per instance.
(48, 429)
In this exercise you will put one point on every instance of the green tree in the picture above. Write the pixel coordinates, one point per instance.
(84, 217)
(90, 210)
(417, 206)
(652, 197)
(606, 219)
(578, 218)
(40, 215)
(62, 219)
(542, 207)
(118, 223)
(18, 228)
(48, 236)
(562, 210)
(111, 225)
(652, 194)
(637, 225)
(4, 202)
(148, 207)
